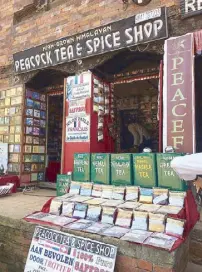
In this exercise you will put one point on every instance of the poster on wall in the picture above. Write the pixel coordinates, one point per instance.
(178, 94)
(3, 158)
(77, 107)
(78, 129)
(53, 251)
(79, 86)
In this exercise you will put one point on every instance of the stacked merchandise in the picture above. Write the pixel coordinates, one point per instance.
(126, 213)
(55, 115)
(11, 103)
(103, 101)
(35, 136)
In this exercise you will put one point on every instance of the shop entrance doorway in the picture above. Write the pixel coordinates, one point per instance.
(138, 118)
(43, 126)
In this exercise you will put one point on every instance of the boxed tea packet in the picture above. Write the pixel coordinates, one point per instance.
(67, 208)
(169, 209)
(94, 213)
(118, 193)
(115, 231)
(107, 191)
(108, 214)
(177, 198)
(160, 196)
(137, 236)
(75, 188)
(132, 193)
(80, 210)
(55, 206)
(146, 195)
(140, 221)
(97, 190)
(112, 203)
(124, 218)
(156, 222)
(95, 201)
(148, 208)
(98, 227)
(86, 189)
(175, 227)
(79, 225)
(129, 205)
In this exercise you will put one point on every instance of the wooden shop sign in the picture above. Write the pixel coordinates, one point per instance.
(138, 29)
(190, 8)
(179, 101)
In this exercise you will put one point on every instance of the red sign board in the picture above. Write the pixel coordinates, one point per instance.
(179, 101)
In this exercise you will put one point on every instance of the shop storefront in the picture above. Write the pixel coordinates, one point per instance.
(96, 111)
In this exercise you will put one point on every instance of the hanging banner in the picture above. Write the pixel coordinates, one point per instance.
(79, 86)
(3, 158)
(178, 94)
(78, 129)
(54, 251)
(138, 29)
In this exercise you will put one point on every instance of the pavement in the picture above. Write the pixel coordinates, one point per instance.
(18, 205)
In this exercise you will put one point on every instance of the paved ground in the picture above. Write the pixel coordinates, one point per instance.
(19, 205)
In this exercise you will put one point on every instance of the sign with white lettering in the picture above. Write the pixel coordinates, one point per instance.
(78, 129)
(178, 94)
(54, 251)
(190, 7)
(138, 29)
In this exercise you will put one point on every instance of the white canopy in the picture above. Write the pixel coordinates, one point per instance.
(188, 167)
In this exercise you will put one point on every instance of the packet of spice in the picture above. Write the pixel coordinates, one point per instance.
(98, 227)
(115, 231)
(177, 198)
(94, 213)
(137, 236)
(146, 195)
(107, 191)
(175, 227)
(67, 208)
(86, 189)
(160, 196)
(95, 201)
(108, 214)
(124, 218)
(97, 190)
(132, 193)
(118, 193)
(148, 208)
(140, 221)
(129, 205)
(55, 206)
(75, 188)
(156, 222)
(80, 210)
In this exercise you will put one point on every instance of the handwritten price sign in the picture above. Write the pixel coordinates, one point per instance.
(54, 251)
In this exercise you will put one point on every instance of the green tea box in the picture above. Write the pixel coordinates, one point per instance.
(100, 168)
(81, 167)
(121, 169)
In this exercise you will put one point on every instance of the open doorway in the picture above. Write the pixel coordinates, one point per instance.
(43, 124)
(138, 119)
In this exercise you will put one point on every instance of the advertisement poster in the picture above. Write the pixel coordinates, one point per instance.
(78, 129)
(53, 251)
(77, 108)
(79, 86)
(3, 158)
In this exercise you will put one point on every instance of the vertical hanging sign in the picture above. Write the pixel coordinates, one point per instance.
(178, 93)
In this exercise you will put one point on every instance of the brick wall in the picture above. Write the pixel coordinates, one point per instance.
(16, 235)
